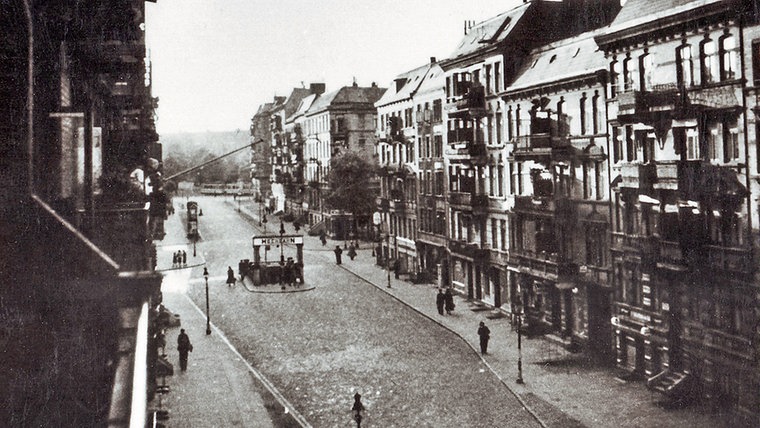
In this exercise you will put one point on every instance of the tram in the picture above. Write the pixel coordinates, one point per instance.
(192, 219)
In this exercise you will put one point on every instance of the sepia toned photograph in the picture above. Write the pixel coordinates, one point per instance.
(397, 213)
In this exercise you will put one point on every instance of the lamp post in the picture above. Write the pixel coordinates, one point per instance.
(282, 232)
(519, 347)
(208, 315)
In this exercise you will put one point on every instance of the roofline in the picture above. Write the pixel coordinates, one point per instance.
(599, 74)
(684, 17)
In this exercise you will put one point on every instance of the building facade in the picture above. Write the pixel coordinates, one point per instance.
(684, 155)
(78, 116)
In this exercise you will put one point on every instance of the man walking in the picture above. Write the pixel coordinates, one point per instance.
(440, 300)
(338, 251)
(485, 335)
(183, 346)
(449, 301)
(184, 258)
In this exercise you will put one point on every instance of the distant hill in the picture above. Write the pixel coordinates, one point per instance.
(218, 142)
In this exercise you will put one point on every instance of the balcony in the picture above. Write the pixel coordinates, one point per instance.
(472, 103)
(671, 254)
(666, 176)
(467, 249)
(637, 176)
(543, 264)
(123, 233)
(635, 243)
(543, 206)
(630, 103)
(722, 96)
(730, 259)
(114, 55)
(475, 153)
(665, 97)
(537, 145)
(460, 199)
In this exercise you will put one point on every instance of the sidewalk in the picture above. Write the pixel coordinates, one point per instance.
(562, 389)
(219, 388)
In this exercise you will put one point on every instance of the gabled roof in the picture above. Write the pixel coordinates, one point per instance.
(490, 31)
(411, 81)
(264, 109)
(294, 100)
(562, 60)
(347, 95)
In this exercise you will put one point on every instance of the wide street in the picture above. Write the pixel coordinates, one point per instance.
(319, 347)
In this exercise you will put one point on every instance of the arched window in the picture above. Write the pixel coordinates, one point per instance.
(708, 62)
(728, 58)
(646, 71)
(614, 78)
(582, 107)
(628, 74)
(684, 66)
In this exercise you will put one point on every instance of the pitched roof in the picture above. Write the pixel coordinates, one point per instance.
(564, 59)
(434, 80)
(638, 12)
(492, 30)
(411, 81)
(347, 95)
(294, 100)
(303, 107)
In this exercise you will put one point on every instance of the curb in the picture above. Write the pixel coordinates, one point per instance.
(509, 388)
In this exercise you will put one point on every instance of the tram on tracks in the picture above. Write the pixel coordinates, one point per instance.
(192, 219)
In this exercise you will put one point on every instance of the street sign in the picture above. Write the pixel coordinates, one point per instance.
(376, 220)
(276, 240)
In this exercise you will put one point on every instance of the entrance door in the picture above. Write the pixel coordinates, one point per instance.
(470, 293)
(599, 327)
(478, 284)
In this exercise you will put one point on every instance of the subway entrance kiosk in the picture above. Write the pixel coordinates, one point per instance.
(270, 272)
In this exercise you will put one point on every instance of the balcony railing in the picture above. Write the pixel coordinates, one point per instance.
(472, 103)
(543, 263)
(637, 176)
(730, 259)
(670, 252)
(460, 198)
(123, 233)
(639, 243)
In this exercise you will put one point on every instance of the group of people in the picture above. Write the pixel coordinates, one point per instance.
(291, 275)
(339, 253)
(179, 259)
(444, 301)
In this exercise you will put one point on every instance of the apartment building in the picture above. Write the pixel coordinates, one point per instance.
(334, 122)
(261, 150)
(398, 158)
(80, 294)
(684, 162)
(559, 213)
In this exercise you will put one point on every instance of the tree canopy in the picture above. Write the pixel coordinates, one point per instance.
(351, 187)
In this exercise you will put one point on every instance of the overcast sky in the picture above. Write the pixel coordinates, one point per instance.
(216, 61)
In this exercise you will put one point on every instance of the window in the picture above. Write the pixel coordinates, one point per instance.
(498, 128)
(595, 245)
(583, 113)
(489, 127)
(628, 74)
(646, 71)
(692, 144)
(730, 142)
(517, 121)
(595, 112)
(494, 233)
(497, 77)
(684, 66)
(488, 79)
(728, 58)
(500, 178)
(630, 148)
(503, 235)
(510, 123)
(708, 62)
(756, 65)
(617, 144)
(614, 78)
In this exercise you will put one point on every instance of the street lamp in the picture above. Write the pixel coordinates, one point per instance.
(208, 315)
(282, 232)
(519, 347)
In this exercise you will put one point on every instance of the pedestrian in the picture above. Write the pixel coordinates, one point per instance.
(351, 251)
(174, 259)
(230, 276)
(289, 271)
(323, 238)
(337, 252)
(357, 409)
(183, 346)
(485, 335)
(184, 258)
(396, 267)
(440, 300)
(449, 301)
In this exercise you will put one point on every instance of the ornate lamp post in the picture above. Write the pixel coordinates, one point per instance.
(208, 315)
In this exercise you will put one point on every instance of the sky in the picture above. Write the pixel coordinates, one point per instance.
(215, 61)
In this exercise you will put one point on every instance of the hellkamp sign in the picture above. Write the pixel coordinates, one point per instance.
(275, 240)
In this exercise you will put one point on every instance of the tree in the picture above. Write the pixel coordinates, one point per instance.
(351, 187)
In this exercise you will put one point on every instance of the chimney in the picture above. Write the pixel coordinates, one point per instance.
(317, 88)
(374, 84)
(432, 60)
(468, 24)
